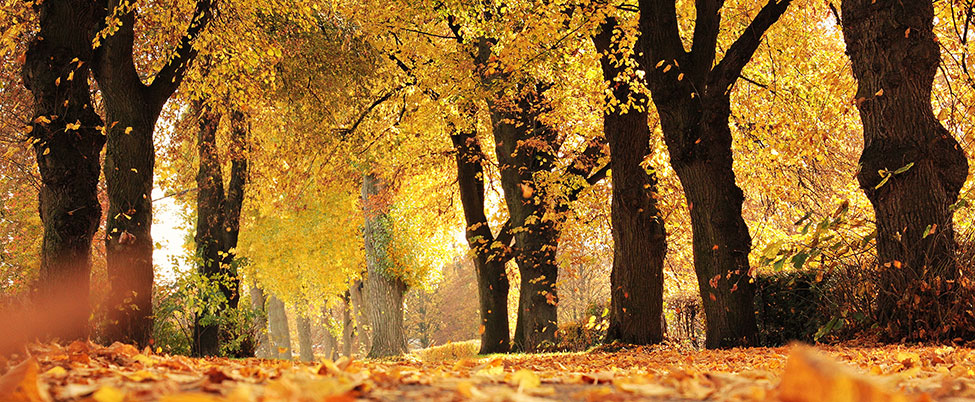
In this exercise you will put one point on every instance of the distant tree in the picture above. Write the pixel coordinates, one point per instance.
(218, 220)
(383, 289)
(279, 332)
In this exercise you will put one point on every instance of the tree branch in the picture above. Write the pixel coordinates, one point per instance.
(706, 28)
(362, 115)
(740, 52)
(658, 21)
(168, 79)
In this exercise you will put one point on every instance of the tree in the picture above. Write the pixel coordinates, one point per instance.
(218, 222)
(691, 94)
(383, 289)
(639, 237)
(305, 352)
(262, 349)
(912, 168)
(278, 332)
(490, 253)
(67, 138)
(131, 110)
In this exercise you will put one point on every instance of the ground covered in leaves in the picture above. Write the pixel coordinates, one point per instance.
(116, 373)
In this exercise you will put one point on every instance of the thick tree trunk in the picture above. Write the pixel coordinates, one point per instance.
(383, 291)
(66, 136)
(258, 302)
(721, 243)
(489, 258)
(912, 167)
(305, 352)
(639, 236)
(279, 333)
(129, 162)
(691, 93)
(517, 135)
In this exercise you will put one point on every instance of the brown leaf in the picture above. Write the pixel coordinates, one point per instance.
(21, 384)
(810, 376)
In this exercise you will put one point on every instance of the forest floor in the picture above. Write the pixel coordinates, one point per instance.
(116, 373)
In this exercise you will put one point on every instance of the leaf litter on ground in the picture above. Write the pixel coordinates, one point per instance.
(83, 371)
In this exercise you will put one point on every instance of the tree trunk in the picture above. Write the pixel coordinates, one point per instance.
(912, 168)
(131, 109)
(639, 236)
(329, 341)
(383, 291)
(209, 230)
(536, 235)
(490, 254)
(348, 326)
(234, 203)
(362, 333)
(691, 93)
(721, 242)
(331, 345)
(305, 352)
(66, 136)
(262, 348)
(280, 334)
(218, 225)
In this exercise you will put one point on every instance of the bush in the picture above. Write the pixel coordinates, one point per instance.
(580, 336)
(176, 306)
(449, 351)
(792, 305)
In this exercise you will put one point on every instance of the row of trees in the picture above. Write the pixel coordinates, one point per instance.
(513, 75)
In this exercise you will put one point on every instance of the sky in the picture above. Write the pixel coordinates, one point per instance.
(166, 220)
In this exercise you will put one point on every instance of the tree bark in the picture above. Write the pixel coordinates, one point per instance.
(525, 147)
(218, 225)
(279, 333)
(490, 253)
(516, 125)
(692, 96)
(66, 137)
(209, 229)
(348, 326)
(330, 342)
(361, 332)
(383, 290)
(912, 168)
(305, 352)
(639, 237)
(131, 109)
(258, 302)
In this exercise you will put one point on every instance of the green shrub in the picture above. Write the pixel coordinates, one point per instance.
(792, 305)
(177, 305)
